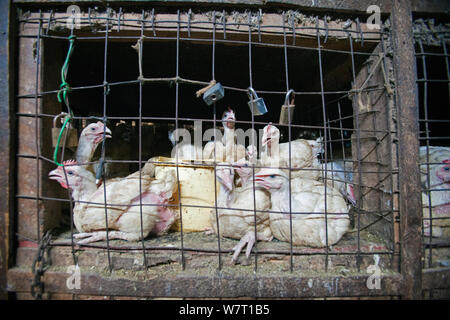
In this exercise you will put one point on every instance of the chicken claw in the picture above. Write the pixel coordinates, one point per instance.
(249, 240)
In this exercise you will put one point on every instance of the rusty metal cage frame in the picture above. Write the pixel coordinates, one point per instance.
(404, 283)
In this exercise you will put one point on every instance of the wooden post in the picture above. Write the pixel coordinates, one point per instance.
(410, 203)
(6, 149)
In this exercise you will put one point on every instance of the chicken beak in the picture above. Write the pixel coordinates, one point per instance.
(261, 182)
(56, 175)
(108, 133)
(99, 136)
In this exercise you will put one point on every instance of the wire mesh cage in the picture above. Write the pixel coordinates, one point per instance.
(184, 137)
(433, 84)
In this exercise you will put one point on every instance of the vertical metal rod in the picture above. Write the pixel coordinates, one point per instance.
(224, 22)
(328, 132)
(409, 175)
(259, 24)
(358, 156)
(119, 17)
(213, 58)
(427, 143)
(291, 249)
(325, 139)
(293, 30)
(444, 47)
(36, 124)
(183, 264)
(153, 22)
(215, 188)
(342, 141)
(71, 205)
(49, 22)
(213, 72)
(105, 67)
(7, 145)
(253, 128)
(189, 22)
(141, 53)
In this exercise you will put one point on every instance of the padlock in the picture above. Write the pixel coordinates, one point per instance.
(213, 94)
(256, 105)
(287, 109)
(72, 133)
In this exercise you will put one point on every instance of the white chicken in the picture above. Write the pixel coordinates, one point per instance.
(439, 175)
(90, 138)
(303, 154)
(309, 227)
(123, 199)
(238, 220)
(227, 150)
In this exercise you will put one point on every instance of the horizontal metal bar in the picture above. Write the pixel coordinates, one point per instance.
(315, 251)
(212, 121)
(198, 206)
(434, 80)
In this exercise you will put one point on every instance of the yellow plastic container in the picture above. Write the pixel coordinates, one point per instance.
(197, 189)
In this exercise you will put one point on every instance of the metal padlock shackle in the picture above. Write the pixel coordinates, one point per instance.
(59, 116)
(251, 93)
(286, 100)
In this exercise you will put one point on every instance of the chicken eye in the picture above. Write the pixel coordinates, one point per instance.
(92, 129)
(246, 165)
(447, 168)
(70, 173)
(272, 176)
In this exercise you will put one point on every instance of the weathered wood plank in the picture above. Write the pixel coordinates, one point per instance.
(351, 6)
(410, 202)
(6, 144)
(193, 285)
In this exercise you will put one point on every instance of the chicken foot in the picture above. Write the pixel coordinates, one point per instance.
(89, 237)
(249, 240)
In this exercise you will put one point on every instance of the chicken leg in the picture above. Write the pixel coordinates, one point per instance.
(89, 237)
(249, 240)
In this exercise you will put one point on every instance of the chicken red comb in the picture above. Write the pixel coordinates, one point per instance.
(446, 161)
(70, 162)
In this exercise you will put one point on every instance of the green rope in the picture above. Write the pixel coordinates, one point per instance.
(64, 89)
(55, 154)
